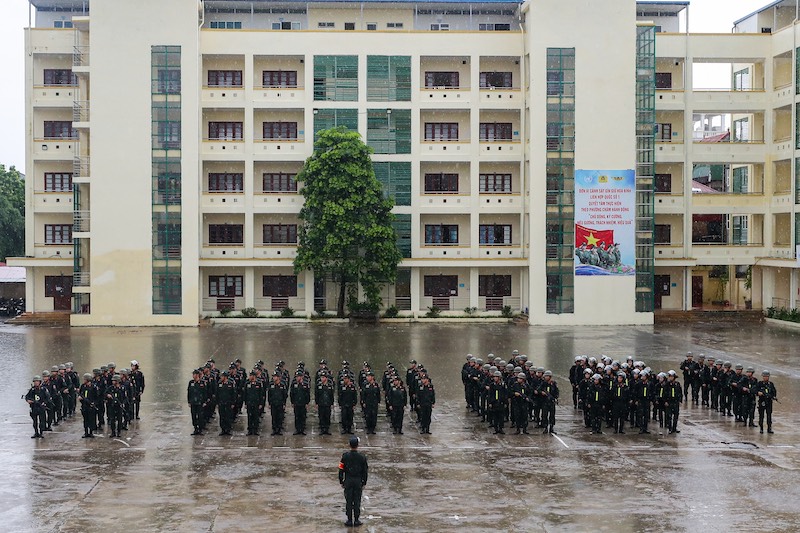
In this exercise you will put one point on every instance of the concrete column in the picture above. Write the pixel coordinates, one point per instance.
(309, 292)
(793, 295)
(687, 288)
(473, 287)
(415, 291)
(249, 287)
(30, 288)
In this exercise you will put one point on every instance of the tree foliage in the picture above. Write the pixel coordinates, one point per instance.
(12, 213)
(346, 229)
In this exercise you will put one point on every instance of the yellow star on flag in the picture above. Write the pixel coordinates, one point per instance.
(591, 240)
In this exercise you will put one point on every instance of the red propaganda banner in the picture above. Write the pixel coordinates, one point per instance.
(592, 237)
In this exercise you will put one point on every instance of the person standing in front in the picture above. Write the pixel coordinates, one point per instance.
(353, 469)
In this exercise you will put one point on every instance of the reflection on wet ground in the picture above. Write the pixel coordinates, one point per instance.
(714, 476)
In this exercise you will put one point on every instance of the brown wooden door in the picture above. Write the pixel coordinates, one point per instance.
(60, 289)
(697, 291)
(661, 288)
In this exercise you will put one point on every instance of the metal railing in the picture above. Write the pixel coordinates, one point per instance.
(403, 303)
(496, 303)
(80, 221)
(446, 303)
(80, 166)
(80, 111)
(780, 303)
(278, 303)
(80, 56)
(81, 279)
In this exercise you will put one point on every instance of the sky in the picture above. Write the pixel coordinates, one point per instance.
(706, 16)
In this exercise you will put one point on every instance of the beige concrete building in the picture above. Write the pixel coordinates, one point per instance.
(164, 138)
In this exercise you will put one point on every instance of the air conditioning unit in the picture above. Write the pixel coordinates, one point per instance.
(766, 30)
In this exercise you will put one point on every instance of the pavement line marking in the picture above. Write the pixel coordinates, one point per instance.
(312, 447)
(123, 442)
(559, 440)
(780, 446)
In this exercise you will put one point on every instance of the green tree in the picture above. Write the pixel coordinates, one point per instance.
(12, 213)
(346, 229)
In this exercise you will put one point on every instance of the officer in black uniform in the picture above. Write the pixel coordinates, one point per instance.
(100, 408)
(226, 402)
(548, 391)
(672, 401)
(426, 400)
(353, 471)
(620, 396)
(397, 397)
(370, 399)
(323, 397)
(254, 401)
(197, 396)
(137, 379)
(87, 394)
(37, 400)
(595, 403)
(497, 398)
(300, 396)
(276, 397)
(644, 393)
(115, 401)
(765, 393)
(747, 386)
(348, 398)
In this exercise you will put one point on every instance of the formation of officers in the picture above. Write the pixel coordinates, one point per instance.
(229, 393)
(104, 396)
(612, 393)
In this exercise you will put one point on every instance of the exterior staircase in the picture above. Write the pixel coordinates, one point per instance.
(708, 316)
(51, 319)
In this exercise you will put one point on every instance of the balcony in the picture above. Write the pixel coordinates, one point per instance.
(499, 147)
(504, 251)
(57, 149)
(293, 147)
(443, 95)
(80, 168)
(54, 95)
(80, 114)
(80, 59)
(732, 151)
(273, 95)
(449, 147)
(726, 252)
(60, 201)
(226, 199)
(81, 279)
(500, 96)
(219, 147)
(53, 251)
(275, 250)
(80, 221)
(279, 303)
(222, 251)
(445, 303)
(727, 100)
(218, 303)
(672, 250)
(445, 200)
(496, 303)
(222, 96)
(457, 250)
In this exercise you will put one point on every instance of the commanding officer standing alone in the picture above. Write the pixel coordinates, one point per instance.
(353, 470)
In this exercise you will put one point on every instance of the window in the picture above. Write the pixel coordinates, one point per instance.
(225, 25)
(441, 183)
(440, 27)
(286, 25)
(495, 79)
(224, 78)
(225, 234)
(57, 286)
(664, 183)
(59, 76)
(441, 233)
(280, 234)
(494, 183)
(225, 182)
(494, 233)
(496, 131)
(740, 224)
(441, 79)
(58, 233)
(326, 25)
(169, 135)
(663, 234)
(279, 182)
(664, 130)
(59, 129)
(168, 240)
(494, 285)
(225, 131)
(168, 190)
(395, 178)
(741, 130)
(279, 78)
(331, 118)
(169, 81)
(441, 131)
(740, 180)
(389, 131)
(741, 80)
(395, 25)
(66, 24)
(718, 271)
(280, 130)
(58, 181)
(388, 78)
(663, 80)
(349, 26)
(440, 285)
(336, 78)
(226, 286)
(555, 83)
(372, 26)
(280, 286)
(494, 27)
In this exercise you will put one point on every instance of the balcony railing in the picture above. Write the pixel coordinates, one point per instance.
(80, 111)
(80, 56)
(80, 221)
(403, 303)
(446, 303)
(780, 303)
(496, 303)
(80, 166)
(279, 303)
(81, 279)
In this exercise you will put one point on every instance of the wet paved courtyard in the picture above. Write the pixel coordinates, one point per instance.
(714, 476)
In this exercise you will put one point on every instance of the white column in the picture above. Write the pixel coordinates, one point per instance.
(309, 292)
(30, 288)
(415, 291)
(473, 287)
(687, 288)
(249, 287)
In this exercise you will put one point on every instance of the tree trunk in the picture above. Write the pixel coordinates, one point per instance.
(342, 294)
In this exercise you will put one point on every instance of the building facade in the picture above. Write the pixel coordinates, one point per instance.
(162, 157)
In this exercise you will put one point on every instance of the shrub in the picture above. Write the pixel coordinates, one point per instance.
(225, 311)
(249, 312)
(506, 311)
(433, 312)
(469, 311)
(287, 312)
(391, 312)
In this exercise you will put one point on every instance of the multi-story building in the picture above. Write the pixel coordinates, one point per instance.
(162, 157)
(727, 185)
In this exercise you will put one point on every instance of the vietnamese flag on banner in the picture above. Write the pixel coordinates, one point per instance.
(592, 237)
